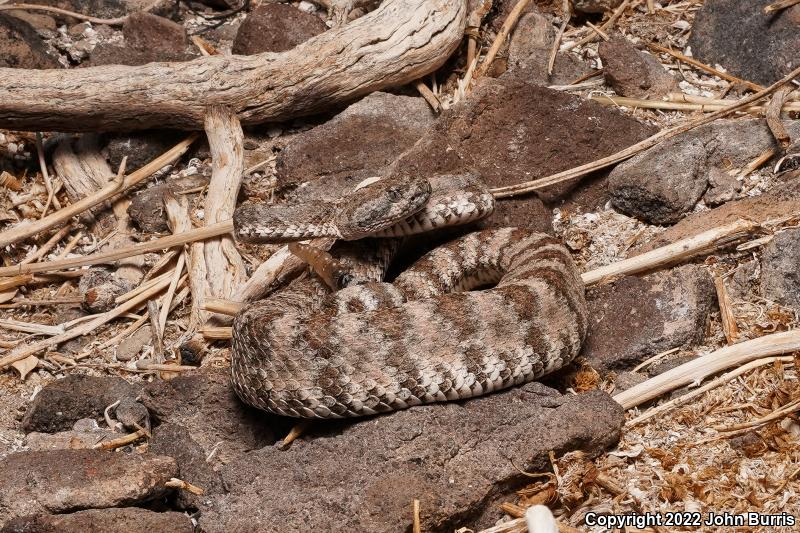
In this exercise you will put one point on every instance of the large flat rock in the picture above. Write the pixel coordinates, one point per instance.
(458, 459)
(124, 520)
(61, 481)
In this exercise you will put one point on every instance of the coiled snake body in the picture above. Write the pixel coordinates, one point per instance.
(427, 337)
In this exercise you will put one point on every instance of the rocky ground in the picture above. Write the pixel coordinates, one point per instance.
(197, 459)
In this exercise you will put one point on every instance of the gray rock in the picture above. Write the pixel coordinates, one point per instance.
(63, 402)
(132, 345)
(458, 459)
(125, 520)
(204, 403)
(275, 28)
(634, 73)
(626, 380)
(360, 141)
(780, 269)
(722, 187)
(595, 6)
(669, 364)
(61, 481)
(21, 46)
(663, 183)
(140, 147)
(636, 318)
(749, 44)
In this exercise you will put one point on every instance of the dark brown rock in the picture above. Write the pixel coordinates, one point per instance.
(722, 187)
(148, 38)
(205, 404)
(148, 210)
(634, 73)
(780, 269)
(749, 44)
(636, 318)
(662, 184)
(360, 141)
(21, 46)
(63, 402)
(61, 481)
(511, 131)
(595, 6)
(84, 435)
(125, 520)
(455, 457)
(174, 440)
(95, 8)
(529, 52)
(275, 28)
(140, 147)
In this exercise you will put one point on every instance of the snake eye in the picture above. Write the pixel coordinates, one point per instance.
(394, 195)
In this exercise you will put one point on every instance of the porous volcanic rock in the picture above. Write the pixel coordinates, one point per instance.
(745, 41)
(275, 28)
(638, 317)
(21, 46)
(780, 269)
(633, 73)
(65, 401)
(61, 481)
(458, 459)
(117, 520)
(148, 38)
(359, 142)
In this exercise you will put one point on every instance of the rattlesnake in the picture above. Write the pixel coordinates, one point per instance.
(427, 337)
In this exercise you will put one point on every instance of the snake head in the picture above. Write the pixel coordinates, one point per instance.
(380, 204)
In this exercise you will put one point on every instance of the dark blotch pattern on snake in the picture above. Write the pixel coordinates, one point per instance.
(380, 347)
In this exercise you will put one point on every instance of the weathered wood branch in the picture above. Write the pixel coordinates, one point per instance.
(399, 42)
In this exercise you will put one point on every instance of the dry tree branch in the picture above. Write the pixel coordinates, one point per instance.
(780, 4)
(399, 42)
(698, 369)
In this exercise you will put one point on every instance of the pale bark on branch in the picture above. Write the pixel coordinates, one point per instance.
(399, 42)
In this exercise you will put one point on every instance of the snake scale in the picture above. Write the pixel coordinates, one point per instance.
(427, 337)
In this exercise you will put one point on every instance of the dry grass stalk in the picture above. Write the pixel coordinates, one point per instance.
(698, 369)
(197, 234)
(48, 184)
(726, 312)
(23, 231)
(179, 221)
(217, 332)
(706, 68)
(30, 327)
(417, 527)
(175, 483)
(651, 7)
(499, 40)
(607, 25)
(780, 4)
(710, 107)
(654, 359)
(473, 28)
(777, 414)
(224, 307)
(773, 115)
(689, 396)
(121, 441)
(566, 15)
(530, 186)
(21, 352)
(280, 265)
(428, 95)
(672, 253)
(47, 246)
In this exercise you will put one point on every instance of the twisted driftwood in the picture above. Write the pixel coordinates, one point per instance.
(397, 43)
